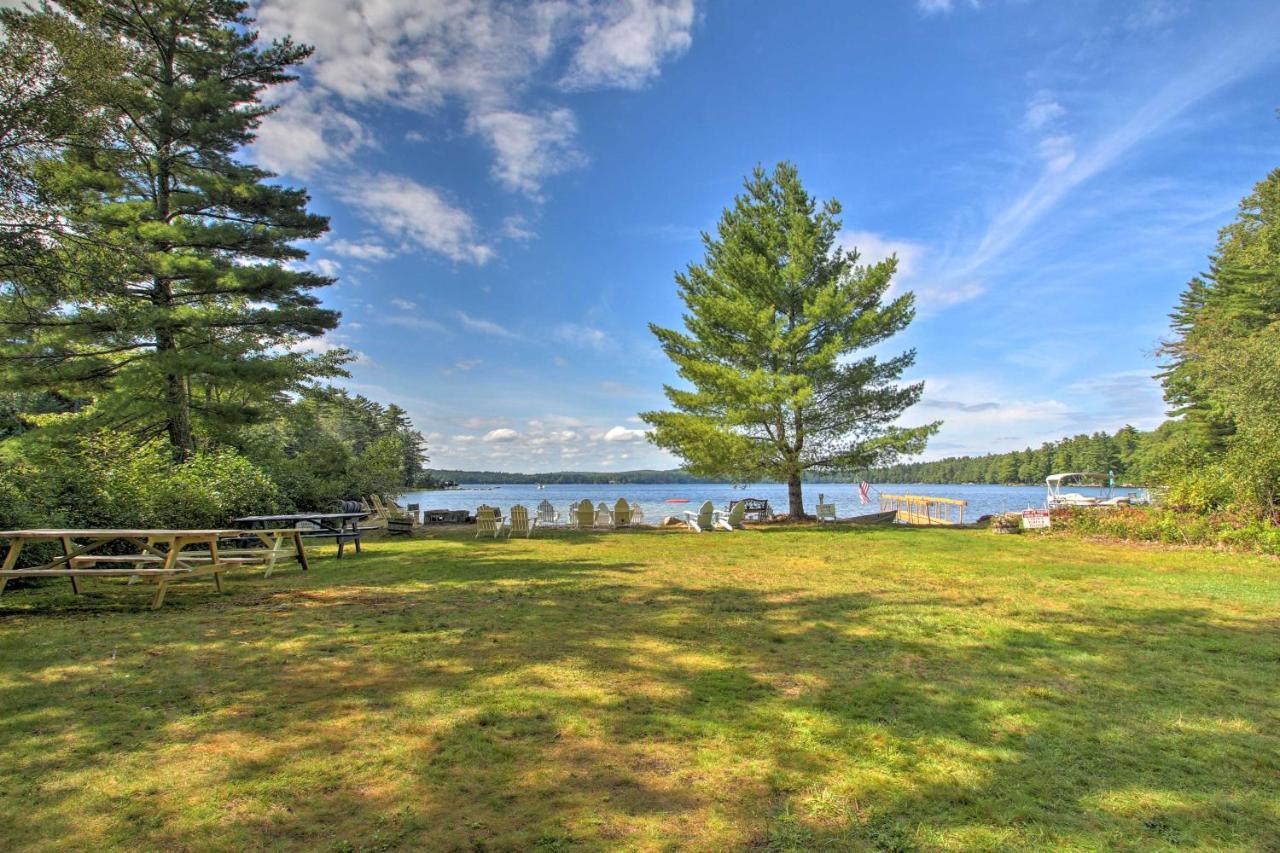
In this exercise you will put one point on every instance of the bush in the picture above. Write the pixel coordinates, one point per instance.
(1230, 529)
(105, 480)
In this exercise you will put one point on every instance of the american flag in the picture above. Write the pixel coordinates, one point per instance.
(864, 492)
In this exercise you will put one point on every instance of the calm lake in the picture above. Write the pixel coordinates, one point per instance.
(982, 499)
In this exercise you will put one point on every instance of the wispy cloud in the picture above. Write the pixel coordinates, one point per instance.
(485, 327)
(583, 336)
(1230, 61)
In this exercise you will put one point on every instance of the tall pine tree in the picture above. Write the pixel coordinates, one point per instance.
(775, 313)
(170, 295)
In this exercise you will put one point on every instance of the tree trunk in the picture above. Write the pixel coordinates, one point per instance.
(177, 402)
(794, 497)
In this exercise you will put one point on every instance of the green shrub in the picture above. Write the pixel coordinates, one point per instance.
(1236, 529)
(106, 480)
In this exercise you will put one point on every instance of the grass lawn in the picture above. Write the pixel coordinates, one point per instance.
(784, 689)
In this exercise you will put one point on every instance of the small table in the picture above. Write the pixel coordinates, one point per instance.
(160, 560)
(343, 527)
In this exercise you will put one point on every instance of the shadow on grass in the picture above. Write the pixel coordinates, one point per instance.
(466, 696)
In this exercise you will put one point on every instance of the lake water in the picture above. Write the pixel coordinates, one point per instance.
(983, 500)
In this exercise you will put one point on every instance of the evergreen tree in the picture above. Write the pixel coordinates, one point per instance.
(774, 312)
(172, 295)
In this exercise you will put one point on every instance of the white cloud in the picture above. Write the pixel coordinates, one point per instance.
(306, 133)
(583, 336)
(528, 147)
(487, 327)
(369, 251)
(418, 215)
(1043, 110)
(517, 228)
(874, 248)
(403, 304)
(329, 342)
(412, 321)
(621, 433)
(483, 55)
(942, 7)
(500, 435)
(1058, 152)
(326, 267)
(628, 46)
(933, 291)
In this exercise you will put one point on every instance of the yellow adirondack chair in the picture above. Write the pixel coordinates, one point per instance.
(621, 514)
(487, 521)
(519, 523)
(584, 515)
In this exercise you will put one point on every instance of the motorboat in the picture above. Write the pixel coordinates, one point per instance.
(1059, 495)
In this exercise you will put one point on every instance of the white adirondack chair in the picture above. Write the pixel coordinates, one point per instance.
(701, 520)
(734, 518)
(547, 514)
(603, 517)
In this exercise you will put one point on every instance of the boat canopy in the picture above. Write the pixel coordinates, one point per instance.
(1078, 475)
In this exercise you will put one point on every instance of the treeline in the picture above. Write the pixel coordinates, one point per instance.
(1127, 456)
(157, 314)
(675, 475)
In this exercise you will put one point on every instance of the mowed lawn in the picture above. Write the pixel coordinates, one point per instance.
(784, 689)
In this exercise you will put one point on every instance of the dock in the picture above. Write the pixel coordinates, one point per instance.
(922, 509)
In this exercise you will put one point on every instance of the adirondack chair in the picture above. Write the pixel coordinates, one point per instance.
(603, 516)
(703, 519)
(487, 521)
(584, 515)
(547, 514)
(519, 523)
(637, 513)
(621, 514)
(733, 519)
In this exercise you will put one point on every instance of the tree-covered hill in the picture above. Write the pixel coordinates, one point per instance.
(1126, 454)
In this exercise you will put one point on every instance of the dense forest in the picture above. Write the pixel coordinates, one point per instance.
(1125, 455)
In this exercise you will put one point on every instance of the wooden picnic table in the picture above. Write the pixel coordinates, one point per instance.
(159, 560)
(343, 527)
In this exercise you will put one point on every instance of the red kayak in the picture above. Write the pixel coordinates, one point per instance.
(677, 500)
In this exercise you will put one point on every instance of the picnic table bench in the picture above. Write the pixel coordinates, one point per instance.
(161, 557)
(342, 527)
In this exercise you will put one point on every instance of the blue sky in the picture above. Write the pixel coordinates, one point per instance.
(512, 188)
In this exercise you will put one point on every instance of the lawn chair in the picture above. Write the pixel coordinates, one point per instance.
(637, 513)
(825, 511)
(547, 514)
(604, 518)
(519, 523)
(584, 515)
(703, 519)
(734, 518)
(621, 514)
(487, 521)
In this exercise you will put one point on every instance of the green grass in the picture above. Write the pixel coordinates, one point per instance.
(784, 689)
